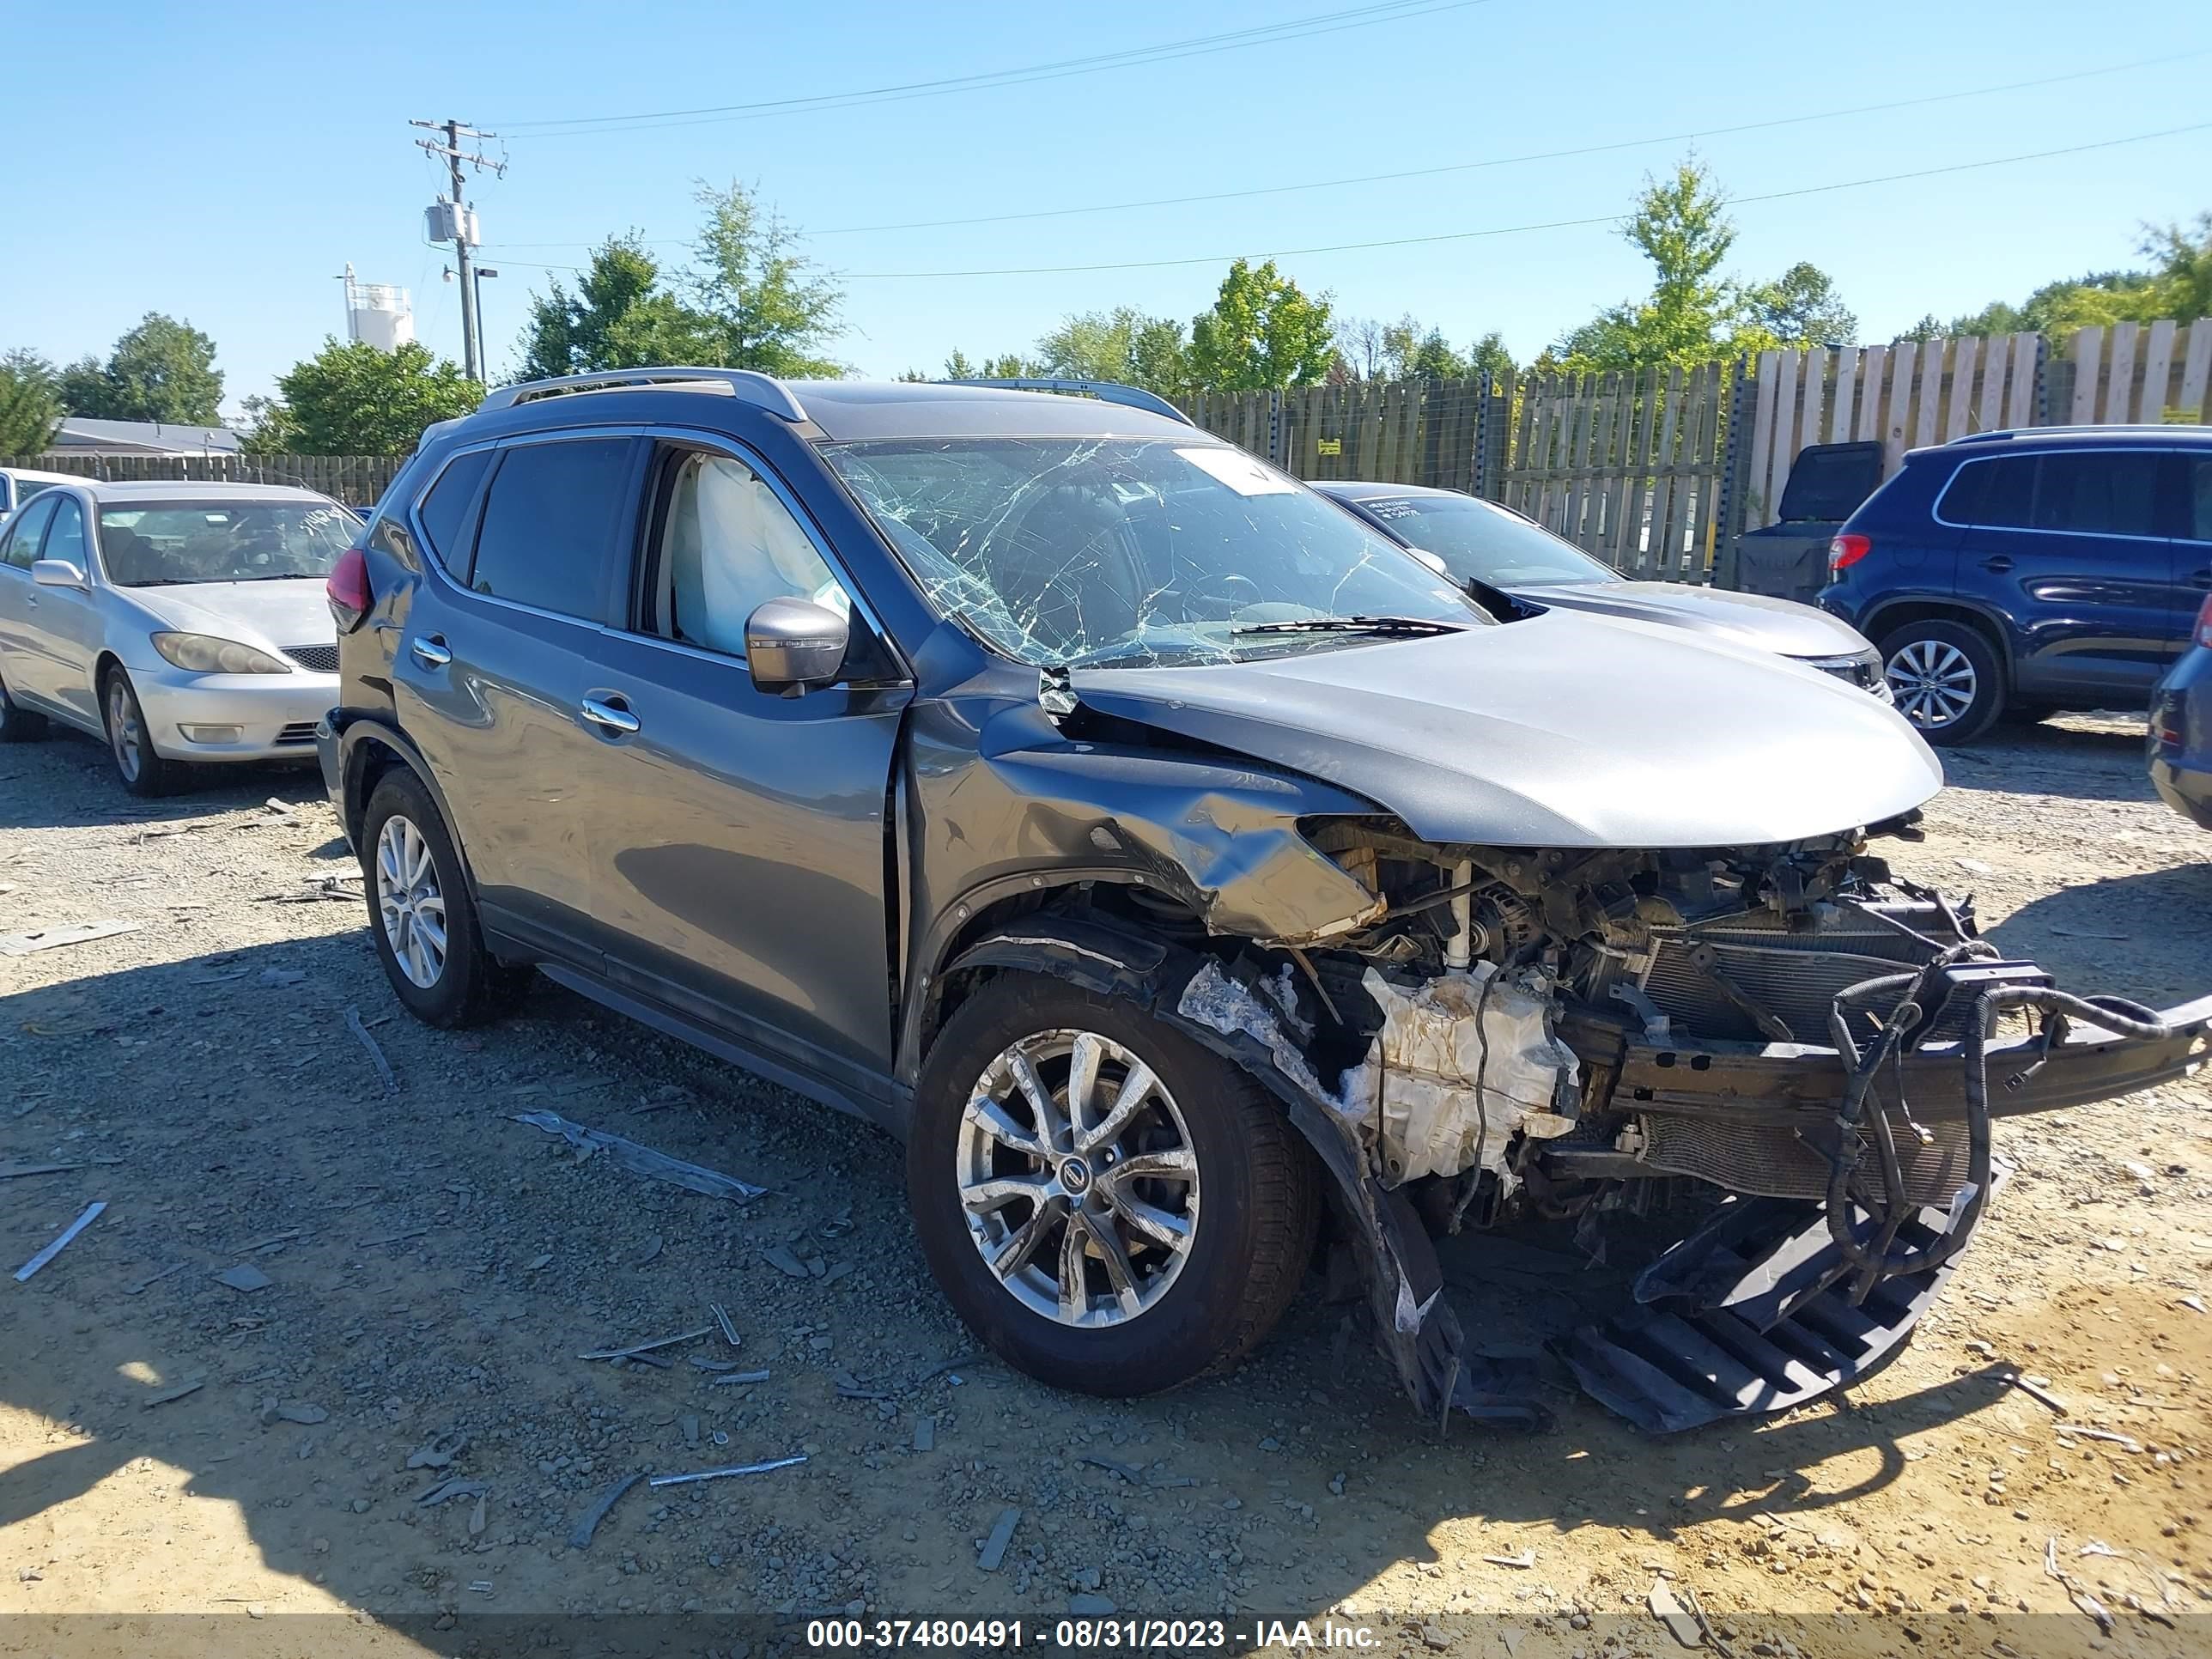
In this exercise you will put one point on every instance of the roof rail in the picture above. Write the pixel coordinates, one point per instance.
(762, 390)
(2005, 435)
(1107, 392)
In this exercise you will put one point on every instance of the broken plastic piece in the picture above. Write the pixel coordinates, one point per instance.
(637, 1348)
(69, 1232)
(734, 1468)
(994, 1553)
(642, 1160)
(581, 1538)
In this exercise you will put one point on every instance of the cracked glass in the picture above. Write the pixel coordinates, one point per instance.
(1086, 552)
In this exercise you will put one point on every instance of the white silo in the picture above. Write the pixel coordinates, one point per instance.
(377, 312)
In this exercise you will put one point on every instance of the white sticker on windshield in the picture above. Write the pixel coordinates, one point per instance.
(1238, 470)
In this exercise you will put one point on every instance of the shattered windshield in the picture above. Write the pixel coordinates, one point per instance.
(1070, 552)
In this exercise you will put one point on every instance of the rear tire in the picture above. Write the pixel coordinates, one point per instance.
(421, 915)
(1156, 1288)
(17, 723)
(1947, 679)
(142, 771)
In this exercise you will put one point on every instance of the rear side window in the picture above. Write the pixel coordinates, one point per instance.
(448, 503)
(2085, 493)
(555, 525)
(2197, 498)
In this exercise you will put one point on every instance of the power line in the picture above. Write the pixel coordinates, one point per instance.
(1515, 161)
(1508, 230)
(1389, 11)
(462, 225)
(1462, 167)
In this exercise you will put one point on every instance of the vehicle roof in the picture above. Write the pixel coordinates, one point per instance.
(2071, 437)
(1356, 489)
(839, 411)
(187, 489)
(33, 472)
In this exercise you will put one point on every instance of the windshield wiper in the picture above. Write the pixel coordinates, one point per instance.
(1355, 625)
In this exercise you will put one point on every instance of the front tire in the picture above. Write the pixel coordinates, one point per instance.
(1946, 678)
(143, 772)
(1113, 1208)
(421, 912)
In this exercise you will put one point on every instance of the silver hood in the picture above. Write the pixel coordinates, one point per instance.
(1779, 625)
(1560, 730)
(287, 612)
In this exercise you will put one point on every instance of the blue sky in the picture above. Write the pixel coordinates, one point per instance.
(223, 164)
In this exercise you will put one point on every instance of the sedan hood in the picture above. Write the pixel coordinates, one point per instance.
(1561, 731)
(285, 613)
(1777, 625)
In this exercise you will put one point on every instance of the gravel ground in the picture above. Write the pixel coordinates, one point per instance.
(434, 1269)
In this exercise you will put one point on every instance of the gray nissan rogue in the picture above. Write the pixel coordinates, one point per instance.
(1187, 872)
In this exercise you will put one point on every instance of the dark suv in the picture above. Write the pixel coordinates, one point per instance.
(2029, 571)
(1170, 858)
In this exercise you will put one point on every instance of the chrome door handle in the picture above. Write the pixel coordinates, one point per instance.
(610, 716)
(1997, 565)
(430, 653)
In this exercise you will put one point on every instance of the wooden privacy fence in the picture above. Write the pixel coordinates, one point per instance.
(1916, 392)
(1629, 466)
(356, 480)
(1421, 432)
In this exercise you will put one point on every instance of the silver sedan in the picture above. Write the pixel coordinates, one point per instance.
(179, 623)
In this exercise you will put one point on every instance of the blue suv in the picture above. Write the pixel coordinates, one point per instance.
(2025, 571)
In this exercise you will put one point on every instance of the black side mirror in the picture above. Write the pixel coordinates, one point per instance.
(795, 646)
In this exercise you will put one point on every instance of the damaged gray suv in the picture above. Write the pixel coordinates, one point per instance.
(1187, 873)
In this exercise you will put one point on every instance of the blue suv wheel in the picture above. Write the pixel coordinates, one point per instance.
(1945, 679)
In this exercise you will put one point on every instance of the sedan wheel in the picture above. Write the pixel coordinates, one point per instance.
(125, 736)
(409, 901)
(1077, 1178)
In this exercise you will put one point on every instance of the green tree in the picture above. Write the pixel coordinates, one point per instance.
(1123, 344)
(2178, 283)
(162, 370)
(30, 403)
(764, 305)
(2182, 273)
(1263, 331)
(354, 398)
(1007, 366)
(1488, 355)
(1692, 315)
(619, 317)
(1802, 307)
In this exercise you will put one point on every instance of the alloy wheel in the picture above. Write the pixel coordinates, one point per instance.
(408, 901)
(1077, 1178)
(124, 735)
(1934, 683)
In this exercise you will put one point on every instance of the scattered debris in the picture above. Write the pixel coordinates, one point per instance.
(734, 1468)
(455, 1487)
(2099, 1546)
(10, 1170)
(49, 938)
(709, 1363)
(2035, 1390)
(1002, 1534)
(375, 1054)
(477, 1517)
(293, 1410)
(392, 1238)
(282, 976)
(581, 1537)
(729, 1327)
(480, 1586)
(177, 1393)
(69, 1232)
(689, 1427)
(642, 1160)
(282, 807)
(140, 1286)
(1677, 1619)
(2086, 933)
(2125, 1442)
(1129, 1472)
(925, 1434)
(2194, 1304)
(537, 1261)
(244, 1276)
(2075, 1592)
(637, 1349)
(779, 1256)
(1526, 1560)
(1088, 1604)
(652, 1250)
(742, 1377)
(284, 1237)
(439, 1453)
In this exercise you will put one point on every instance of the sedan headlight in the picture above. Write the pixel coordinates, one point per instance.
(202, 653)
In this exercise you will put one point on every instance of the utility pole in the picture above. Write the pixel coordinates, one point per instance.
(458, 227)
